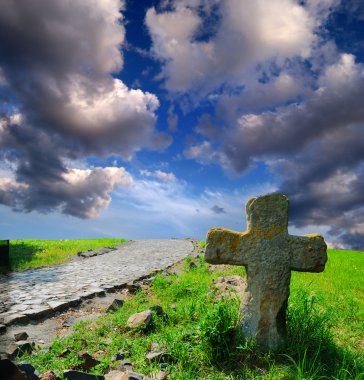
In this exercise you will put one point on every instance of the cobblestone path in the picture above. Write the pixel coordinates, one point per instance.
(35, 293)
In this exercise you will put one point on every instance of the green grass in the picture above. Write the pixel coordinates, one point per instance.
(340, 291)
(324, 323)
(25, 254)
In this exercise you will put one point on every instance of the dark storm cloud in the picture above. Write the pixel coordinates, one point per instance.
(318, 152)
(315, 147)
(287, 58)
(337, 104)
(57, 58)
(43, 182)
(56, 62)
(325, 184)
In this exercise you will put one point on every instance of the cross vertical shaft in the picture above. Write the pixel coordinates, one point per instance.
(269, 254)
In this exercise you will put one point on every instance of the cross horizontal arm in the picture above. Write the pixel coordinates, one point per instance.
(225, 246)
(308, 253)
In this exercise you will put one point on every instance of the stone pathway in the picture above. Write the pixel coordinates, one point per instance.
(35, 293)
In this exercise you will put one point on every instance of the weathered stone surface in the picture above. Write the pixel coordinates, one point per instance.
(15, 318)
(115, 375)
(88, 361)
(49, 375)
(77, 375)
(12, 350)
(136, 376)
(30, 371)
(126, 365)
(3, 307)
(38, 311)
(141, 320)
(95, 252)
(9, 371)
(58, 305)
(2, 328)
(69, 321)
(97, 291)
(155, 356)
(269, 254)
(3, 356)
(53, 287)
(128, 375)
(19, 348)
(118, 356)
(161, 375)
(149, 280)
(21, 336)
(115, 305)
(100, 354)
(132, 287)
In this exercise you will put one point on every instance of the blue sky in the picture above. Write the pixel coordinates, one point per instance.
(148, 119)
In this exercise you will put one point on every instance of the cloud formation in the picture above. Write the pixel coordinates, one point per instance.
(245, 34)
(283, 94)
(57, 61)
(82, 193)
(159, 174)
(217, 209)
(316, 147)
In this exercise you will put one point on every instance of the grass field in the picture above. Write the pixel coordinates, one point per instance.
(324, 321)
(25, 254)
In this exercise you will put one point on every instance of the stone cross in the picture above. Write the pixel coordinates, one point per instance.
(269, 254)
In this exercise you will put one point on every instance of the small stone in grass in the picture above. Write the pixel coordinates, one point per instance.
(126, 365)
(115, 305)
(78, 375)
(21, 336)
(30, 372)
(161, 375)
(154, 356)
(69, 322)
(49, 375)
(20, 348)
(89, 362)
(128, 375)
(118, 356)
(142, 319)
(132, 288)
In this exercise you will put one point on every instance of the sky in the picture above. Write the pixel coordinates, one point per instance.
(156, 119)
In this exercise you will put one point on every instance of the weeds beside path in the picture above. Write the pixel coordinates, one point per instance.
(199, 336)
(25, 254)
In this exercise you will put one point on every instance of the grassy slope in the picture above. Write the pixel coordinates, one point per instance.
(340, 289)
(325, 318)
(26, 254)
